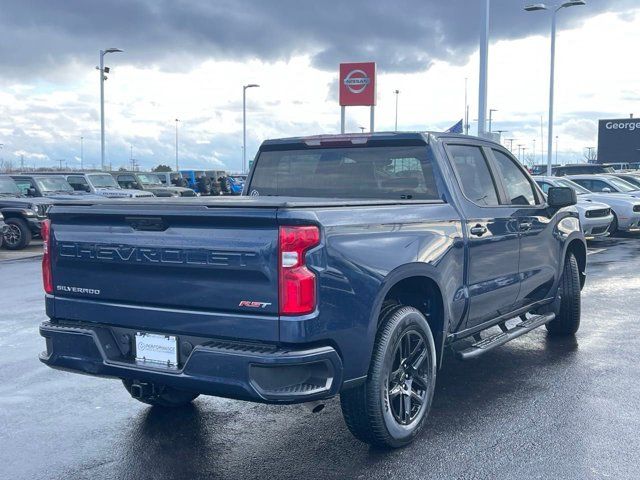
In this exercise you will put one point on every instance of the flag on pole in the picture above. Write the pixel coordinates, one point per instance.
(457, 128)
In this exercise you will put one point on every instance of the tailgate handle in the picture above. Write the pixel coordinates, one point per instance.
(147, 224)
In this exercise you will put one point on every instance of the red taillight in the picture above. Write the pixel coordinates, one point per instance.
(47, 278)
(297, 283)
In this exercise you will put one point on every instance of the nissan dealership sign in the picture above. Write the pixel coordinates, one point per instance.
(619, 140)
(357, 84)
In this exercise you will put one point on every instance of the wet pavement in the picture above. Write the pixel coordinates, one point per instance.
(32, 251)
(534, 408)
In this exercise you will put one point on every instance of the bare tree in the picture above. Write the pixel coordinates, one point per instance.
(590, 154)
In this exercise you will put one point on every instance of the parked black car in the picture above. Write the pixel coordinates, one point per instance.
(581, 169)
(22, 216)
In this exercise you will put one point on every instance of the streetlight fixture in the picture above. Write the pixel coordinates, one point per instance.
(244, 124)
(103, 71)
(555, 9)
(177, 166)
(397, 92)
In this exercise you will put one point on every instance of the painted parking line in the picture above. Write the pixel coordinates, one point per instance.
(596, 250)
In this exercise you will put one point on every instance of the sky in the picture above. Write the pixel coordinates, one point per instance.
(188, 60)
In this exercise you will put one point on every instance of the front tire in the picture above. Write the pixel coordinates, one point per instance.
(391, 407)
(567, 320)
(613, 228)
(18, 235)
(166, 396)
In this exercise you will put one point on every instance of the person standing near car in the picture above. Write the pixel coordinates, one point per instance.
(204, 187)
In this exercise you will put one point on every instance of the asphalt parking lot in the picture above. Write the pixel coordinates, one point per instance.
(534, 408)
(33, 250)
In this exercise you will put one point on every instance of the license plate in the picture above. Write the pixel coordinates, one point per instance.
(157, 350)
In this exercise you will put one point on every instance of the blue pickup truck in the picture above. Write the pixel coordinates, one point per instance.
(350, 266)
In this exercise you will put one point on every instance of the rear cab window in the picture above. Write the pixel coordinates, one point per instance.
(394, 172)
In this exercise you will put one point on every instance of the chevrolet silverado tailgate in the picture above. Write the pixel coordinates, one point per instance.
(189, 268)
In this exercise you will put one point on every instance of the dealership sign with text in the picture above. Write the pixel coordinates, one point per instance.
(357, 84)
(619, 140)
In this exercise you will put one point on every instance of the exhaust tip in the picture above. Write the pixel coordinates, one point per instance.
(315, 407)
(318, 408)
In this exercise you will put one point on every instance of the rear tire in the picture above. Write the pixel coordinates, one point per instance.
(18, 236)
(391, 407)
(167, 396)
(567, 320)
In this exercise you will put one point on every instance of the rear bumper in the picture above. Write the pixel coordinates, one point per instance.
(255, 372)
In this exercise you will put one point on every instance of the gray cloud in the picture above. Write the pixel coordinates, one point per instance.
(42, 36)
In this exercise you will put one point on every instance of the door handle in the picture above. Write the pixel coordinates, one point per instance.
(478, 230)
(525, 225)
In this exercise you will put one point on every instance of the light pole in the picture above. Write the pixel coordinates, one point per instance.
(556, 149)
(81, 153)
(397, 92)
(510, 140)
(534, 151)
(244, 124)
(177, 166)
(500, 132)
(103, 77)
(484, 61)
(491, 110)
(556, 9)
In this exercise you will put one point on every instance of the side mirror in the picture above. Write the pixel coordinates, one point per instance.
(606, 190)
(558, 197)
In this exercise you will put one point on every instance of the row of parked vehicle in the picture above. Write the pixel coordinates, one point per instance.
(608, 200)
(25, 197)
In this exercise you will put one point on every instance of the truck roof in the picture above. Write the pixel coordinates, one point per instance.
(367, 138)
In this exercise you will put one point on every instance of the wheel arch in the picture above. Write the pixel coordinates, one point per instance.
(578, 248)
(418, 286)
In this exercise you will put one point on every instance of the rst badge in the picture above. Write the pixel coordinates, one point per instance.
(249, 304)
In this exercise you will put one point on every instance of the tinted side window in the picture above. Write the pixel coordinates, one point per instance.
(544, 186)
(78, 183)
(599, 186)
(475, 177)
(516, 183)
(23, 186)
(583, 183)
(127, 181)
